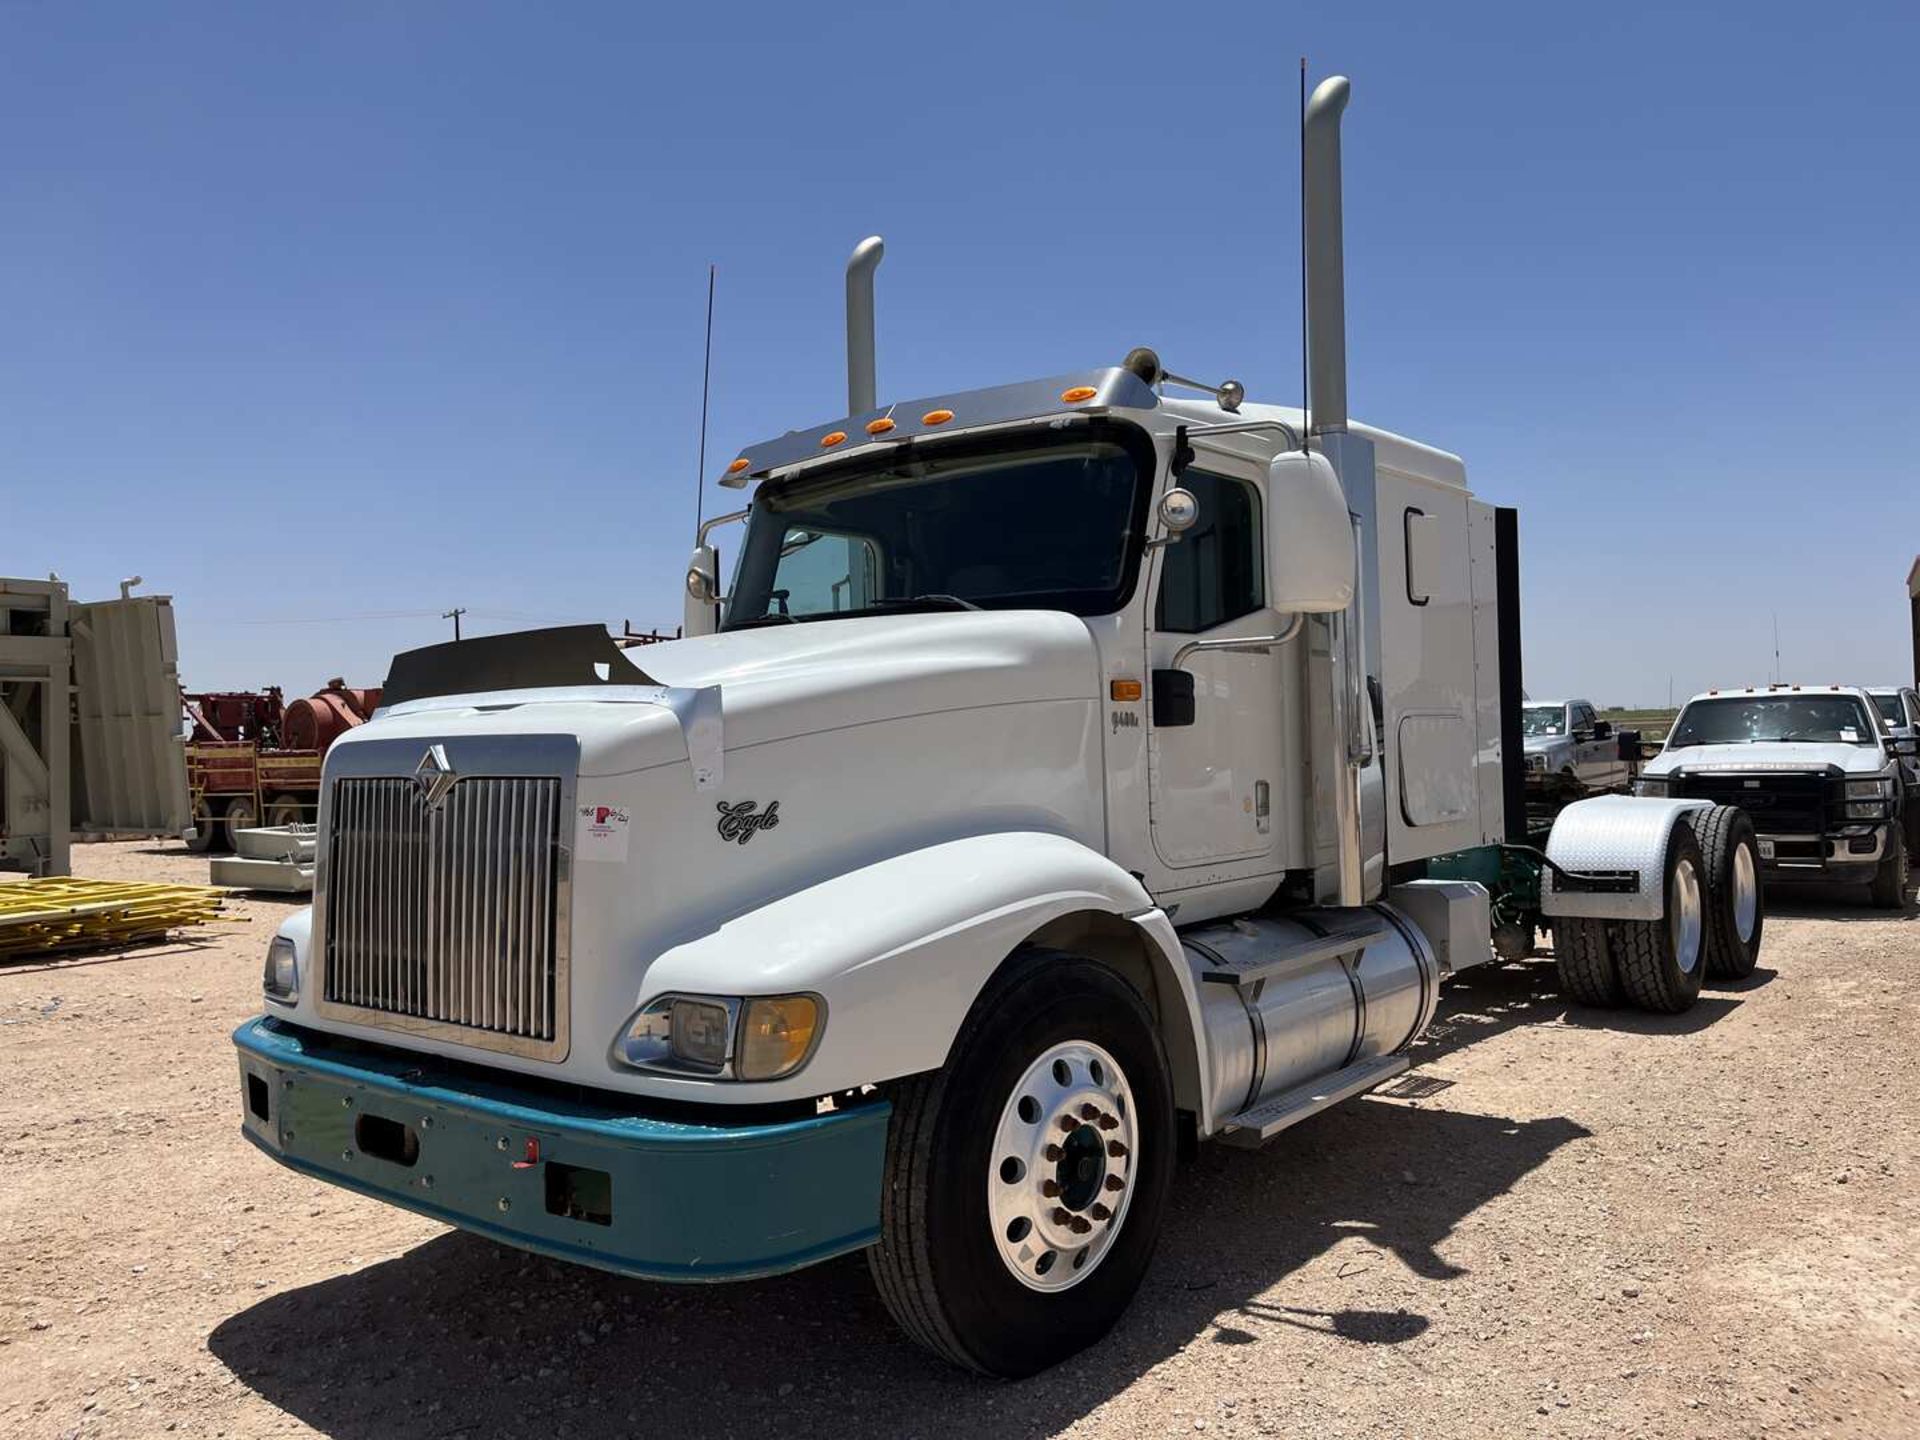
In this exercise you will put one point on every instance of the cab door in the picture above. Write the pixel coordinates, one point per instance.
(1215, 763)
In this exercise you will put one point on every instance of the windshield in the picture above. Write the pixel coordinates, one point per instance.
(1544, 720)
(1740, 719)
(1052, 520)
(1888, 704)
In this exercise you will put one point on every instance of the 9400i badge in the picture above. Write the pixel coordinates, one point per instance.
(742, 819)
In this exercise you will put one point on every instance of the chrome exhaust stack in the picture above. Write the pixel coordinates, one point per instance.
(865, 259)
(1326, 265)
(1355, 747)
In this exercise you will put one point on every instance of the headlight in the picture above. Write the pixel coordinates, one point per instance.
(1875, 789)
(723, 1037)
(1536, 762)
(1651, 785)
(281, 976)
(1866, 810)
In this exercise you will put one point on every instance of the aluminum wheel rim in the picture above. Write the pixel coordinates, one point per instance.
(1685, 919)
(1060, 1175)
(1746, 893)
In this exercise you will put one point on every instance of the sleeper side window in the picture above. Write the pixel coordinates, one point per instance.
(1216, 571)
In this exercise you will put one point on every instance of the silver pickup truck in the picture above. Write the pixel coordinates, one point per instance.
(1570, 751)
(1815, 766)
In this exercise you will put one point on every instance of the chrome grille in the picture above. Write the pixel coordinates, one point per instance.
(448, 919)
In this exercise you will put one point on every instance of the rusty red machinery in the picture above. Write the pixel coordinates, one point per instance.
(252, 759)
(317, 721)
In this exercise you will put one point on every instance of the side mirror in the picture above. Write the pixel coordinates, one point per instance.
(1905, 746)
(1602, 729)
(1179, 510)
(703, 592)
(1310, 549)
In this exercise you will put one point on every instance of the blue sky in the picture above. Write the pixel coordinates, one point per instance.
(327, 319)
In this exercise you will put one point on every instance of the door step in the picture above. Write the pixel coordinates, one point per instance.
(1244, 969)
(1253, 1128)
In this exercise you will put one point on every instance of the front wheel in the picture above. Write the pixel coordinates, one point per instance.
(1025, 1182)
(1891, 880)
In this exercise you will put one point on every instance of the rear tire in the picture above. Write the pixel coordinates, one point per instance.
(1580, 952)
(1892, 880)
(964, 1236)
(206, 829)
(241, 815)
(1661, 962)
(1735, 902)
(284, 810)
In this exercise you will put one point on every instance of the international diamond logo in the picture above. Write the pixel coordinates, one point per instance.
(434, 775)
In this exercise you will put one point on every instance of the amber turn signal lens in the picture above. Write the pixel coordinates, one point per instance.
(1078, 393)
(776, 1036)
(936, 417)
(838, 437)
(737, 466)
(880, 426)
(1127, 690)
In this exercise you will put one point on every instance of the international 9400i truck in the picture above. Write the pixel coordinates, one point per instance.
(1071, 773)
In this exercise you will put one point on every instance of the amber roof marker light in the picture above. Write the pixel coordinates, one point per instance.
(936, 417)
(880, 426)
(1078, 394)
(837, 437)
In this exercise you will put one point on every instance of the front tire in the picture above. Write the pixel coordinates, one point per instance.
(1661, 962)
(1735, 904)
(1006, 1244)
(1892, 880)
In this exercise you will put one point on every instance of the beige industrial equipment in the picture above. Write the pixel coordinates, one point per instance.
(89, 721)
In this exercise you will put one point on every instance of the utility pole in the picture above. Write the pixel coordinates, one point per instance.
(454, 615)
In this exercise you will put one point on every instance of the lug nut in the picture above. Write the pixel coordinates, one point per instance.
(1089, 1111)
(1061, 1217)
(1080, 1225)
(1114, 1182)
(1107, 1122)
(1100, 1212)
(1050, 1188)
(1116, 1150)
(1052, 1153)
(1069, 1124)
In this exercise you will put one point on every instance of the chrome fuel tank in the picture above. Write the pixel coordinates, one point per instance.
(1289, 999)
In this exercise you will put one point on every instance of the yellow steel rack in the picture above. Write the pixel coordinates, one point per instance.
(59, 913)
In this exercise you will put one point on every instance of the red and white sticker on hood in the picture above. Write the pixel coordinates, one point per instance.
(600, 832)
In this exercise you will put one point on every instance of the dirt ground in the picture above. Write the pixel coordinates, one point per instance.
(1568, 1223)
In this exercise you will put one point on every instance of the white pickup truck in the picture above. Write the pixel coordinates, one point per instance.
(1072, 772)
(1816, 769)
(1571, 751)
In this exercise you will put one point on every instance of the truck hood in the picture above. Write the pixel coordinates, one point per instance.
(1785, 755)
(1544, 744)
(777, 682)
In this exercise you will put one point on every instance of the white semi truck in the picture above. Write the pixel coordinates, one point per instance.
(1072, 772)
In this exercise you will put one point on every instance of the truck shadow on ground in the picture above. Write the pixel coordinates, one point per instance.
(1490, 999)
(460, 1337)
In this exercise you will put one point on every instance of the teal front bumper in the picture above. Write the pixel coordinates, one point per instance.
(571, 1174)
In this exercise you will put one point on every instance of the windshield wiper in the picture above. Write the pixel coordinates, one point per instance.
(953, 602)
(772, 617)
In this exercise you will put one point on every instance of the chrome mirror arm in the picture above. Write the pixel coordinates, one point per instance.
(1246, 644)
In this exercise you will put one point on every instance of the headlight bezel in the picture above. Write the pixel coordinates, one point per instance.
(1655, 786)
(281, 948)
(648, 1040)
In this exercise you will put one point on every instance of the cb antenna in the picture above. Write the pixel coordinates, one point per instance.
(1306, 426)
(706, 381)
